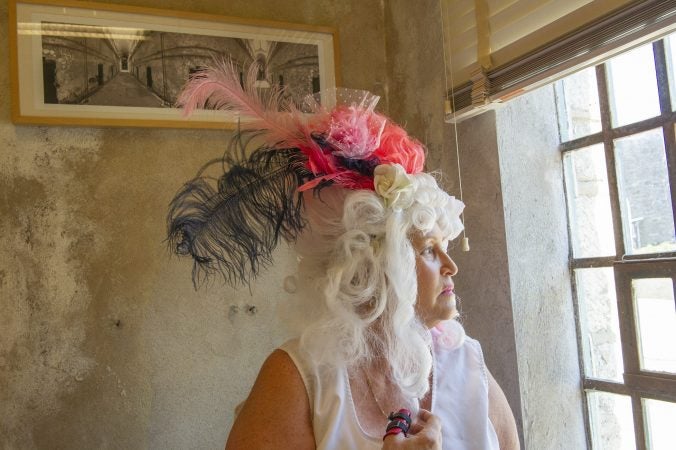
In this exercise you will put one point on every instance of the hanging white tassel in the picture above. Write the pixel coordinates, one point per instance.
(465, 244)
(448, 110)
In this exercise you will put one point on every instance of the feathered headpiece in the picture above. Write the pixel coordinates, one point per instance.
(334, 138)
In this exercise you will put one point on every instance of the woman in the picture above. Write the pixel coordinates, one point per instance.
(386, 346)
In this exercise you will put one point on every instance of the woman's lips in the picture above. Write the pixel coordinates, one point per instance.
(448, 291)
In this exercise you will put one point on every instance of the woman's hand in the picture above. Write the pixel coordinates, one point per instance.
(425, 434)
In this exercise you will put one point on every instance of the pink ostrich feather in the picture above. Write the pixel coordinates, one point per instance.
(355, 132)
(219, 86)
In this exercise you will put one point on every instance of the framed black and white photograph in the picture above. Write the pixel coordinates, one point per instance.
(95, 64)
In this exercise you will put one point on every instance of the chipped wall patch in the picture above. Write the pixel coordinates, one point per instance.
(42, 333)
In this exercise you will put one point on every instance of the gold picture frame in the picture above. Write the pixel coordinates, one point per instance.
(95, 64)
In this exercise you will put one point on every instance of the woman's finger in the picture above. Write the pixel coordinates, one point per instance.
(425, 420)
(424, 417)
(432, 421)
(419, 421)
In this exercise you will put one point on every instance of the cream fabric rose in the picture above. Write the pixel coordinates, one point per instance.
(393, 184)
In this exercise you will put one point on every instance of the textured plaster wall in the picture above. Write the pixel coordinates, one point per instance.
(416, 92)
(537, 247)
(103, 341)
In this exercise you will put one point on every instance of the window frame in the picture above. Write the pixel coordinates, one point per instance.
(637, 383)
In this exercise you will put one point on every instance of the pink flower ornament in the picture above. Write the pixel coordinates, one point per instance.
(355, 132)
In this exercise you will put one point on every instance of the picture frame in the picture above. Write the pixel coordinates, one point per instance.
(96, 64)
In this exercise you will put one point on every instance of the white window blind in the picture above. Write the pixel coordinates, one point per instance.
(500, 48)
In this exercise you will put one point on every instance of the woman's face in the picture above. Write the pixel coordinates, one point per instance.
(434, 268)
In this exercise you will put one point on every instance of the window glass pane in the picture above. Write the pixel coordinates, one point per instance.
(645, 199)
(660, 420)
(670, 47)
(589, 214)
(578, 102)
(632, 86)
(656, 327)
(612, 425)
(599, 323)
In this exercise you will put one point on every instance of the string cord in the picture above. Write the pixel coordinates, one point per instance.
(452, 101)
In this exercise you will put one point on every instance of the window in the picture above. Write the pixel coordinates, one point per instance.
(617, 128)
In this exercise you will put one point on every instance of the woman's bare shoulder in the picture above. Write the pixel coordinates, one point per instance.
(276, 415)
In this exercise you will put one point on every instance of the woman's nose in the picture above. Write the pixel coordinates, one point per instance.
(448, 266)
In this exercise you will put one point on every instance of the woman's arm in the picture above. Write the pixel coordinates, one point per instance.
(501, 416)
(276, 415)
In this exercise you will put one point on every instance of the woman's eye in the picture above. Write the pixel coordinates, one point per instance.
(427, 251)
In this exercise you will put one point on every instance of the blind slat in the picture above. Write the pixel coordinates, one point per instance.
(526, 17)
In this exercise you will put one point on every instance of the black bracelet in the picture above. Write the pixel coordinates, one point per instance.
(396, 423)
(400, 415)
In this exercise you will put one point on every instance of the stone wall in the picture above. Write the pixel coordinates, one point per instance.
(534, 211)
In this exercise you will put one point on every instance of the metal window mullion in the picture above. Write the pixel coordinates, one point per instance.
(662, 77)
(630, 358)
(639, 421)
(670, 149)
(613, 387)
(623, 289)
(667, 118)
(606, 130)
(593, 263)
(585, 141)
(606, 126)
(625, 310)
(658, 386)
(644, 125)
(662, 72)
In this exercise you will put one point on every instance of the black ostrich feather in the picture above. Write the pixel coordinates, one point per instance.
(233, 227)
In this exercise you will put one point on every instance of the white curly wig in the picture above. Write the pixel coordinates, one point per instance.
(360, 245)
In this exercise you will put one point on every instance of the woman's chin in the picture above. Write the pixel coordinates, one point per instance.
(448, 300)
(451, 309)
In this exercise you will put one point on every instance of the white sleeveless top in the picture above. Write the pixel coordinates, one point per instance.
(459, 399)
